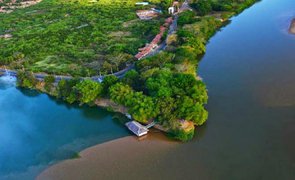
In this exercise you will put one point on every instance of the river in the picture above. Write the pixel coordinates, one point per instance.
(37, 131)
(249, 68)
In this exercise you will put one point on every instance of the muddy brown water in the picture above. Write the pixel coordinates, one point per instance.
(249, 69)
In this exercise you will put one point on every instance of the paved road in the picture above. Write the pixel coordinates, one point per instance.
(172, 29)
(120, 74)
(40, 76)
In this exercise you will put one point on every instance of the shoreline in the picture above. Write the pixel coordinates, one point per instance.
(292, 27)
(94, 162)
(185, 127)
(106, 104)
(109, 156)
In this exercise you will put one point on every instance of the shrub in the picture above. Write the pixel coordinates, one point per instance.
(182, 135)
(186, 17)
(49, 80)
(26, 79)
(88, 90)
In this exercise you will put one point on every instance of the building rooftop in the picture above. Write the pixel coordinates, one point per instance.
(137, 128)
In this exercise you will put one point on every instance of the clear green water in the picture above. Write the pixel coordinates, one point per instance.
(36, 131)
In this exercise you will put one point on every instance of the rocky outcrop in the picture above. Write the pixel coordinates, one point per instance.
(292, 26)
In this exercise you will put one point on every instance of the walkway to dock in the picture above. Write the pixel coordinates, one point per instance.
(150, 125)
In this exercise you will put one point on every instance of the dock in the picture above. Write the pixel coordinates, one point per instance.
(139, 129)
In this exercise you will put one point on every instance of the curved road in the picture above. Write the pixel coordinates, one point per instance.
(119, 74)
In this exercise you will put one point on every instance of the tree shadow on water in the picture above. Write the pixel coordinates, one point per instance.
(94, 112)
(200, 132)
(119, 119)
(29, 92)
(90, 112)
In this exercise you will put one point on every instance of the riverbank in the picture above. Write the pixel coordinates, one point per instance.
(38, 131)
(130, 93)
(242, 134)
(96, 163)
(292, 27)
(107, 161)
(167, 91)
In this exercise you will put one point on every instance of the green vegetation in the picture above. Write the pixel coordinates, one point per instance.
(141, 107)
(49, 80)
(182, 135)
(75, 90)
(26, 79)
(65, 90)
(165, 88)
(10, 4)
(205, 7)
(88, 90)
(75, 37)
(186, 17)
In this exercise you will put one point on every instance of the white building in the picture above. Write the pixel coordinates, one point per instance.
(174, 8)
(137, 128)
(171, 10)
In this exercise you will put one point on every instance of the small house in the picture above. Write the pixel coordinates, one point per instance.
(137, 128)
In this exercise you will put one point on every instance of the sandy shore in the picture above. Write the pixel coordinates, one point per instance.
(123, 158)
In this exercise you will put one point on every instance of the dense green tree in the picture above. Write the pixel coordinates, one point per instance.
(182, 84)
(186, 17)
(199, 93)
(88, 90)
(107, 82)
(142, 108)
(159, 84)
(26, 79)
(49, 80)
(203, 7)
(132, 79)
(182, 135)
(190, 110)
(65, 90)
(158, 60)
(121, 94)
(166, 106)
